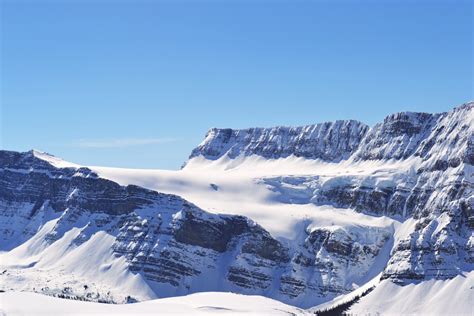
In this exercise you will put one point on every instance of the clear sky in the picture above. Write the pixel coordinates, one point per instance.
(138, 83)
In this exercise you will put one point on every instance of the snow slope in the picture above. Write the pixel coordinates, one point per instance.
(433, 297)
(13, 304)
(232, 187)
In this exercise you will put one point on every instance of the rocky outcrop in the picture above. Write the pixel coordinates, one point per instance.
(326, 141)
(397, 137)
(341, 255)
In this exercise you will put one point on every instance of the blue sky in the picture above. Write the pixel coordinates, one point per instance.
(138, 84)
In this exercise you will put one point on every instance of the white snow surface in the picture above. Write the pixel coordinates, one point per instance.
(210, 303)
(53, 160)
(234, 186)
(433, 297)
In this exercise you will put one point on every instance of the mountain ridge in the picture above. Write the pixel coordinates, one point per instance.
(268, 142)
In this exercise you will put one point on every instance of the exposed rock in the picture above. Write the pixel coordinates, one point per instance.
(326, 141)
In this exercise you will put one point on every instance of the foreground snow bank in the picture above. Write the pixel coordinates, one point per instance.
(434, 297)
(210, 303)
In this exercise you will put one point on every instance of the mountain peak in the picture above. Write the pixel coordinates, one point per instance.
(51, 159)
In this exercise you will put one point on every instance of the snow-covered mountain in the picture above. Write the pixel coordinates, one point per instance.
(313, 213)
(436, 190)
(53, 217)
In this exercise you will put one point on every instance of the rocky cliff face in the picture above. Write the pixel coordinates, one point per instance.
(441, 245)
(326, 141)
(399, 136)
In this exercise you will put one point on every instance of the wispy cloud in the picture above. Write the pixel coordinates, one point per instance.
(121, 142)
